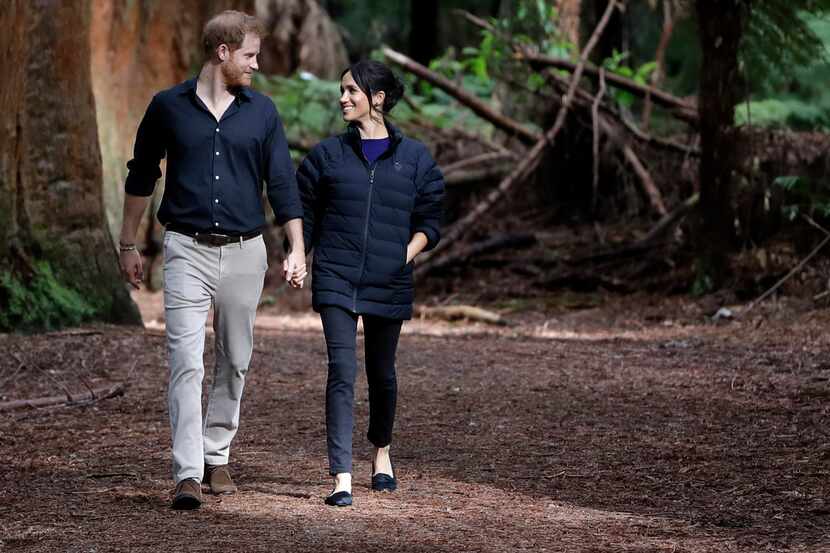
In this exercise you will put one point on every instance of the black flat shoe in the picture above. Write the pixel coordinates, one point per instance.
(339, 499)
(383, 482)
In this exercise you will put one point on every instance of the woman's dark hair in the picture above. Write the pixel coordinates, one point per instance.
(372, 77)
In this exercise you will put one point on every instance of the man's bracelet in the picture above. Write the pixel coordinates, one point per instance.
(126, 247)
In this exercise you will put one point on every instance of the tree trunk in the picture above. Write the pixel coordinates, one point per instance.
(423, 31)
(613, 39)
(569, 20)
(54, 243)
(721, 25)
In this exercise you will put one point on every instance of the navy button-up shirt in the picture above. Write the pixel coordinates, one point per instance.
(215, 170)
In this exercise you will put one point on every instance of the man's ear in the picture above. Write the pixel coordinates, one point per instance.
(223, 52)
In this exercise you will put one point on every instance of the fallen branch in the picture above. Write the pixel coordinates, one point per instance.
(84, 398)
(516, 241)
(595, 128)
(659, 58)
(477, 105)
(531, 161)
(677, 107)
(653, 193)
(649, 187)
(586, 100)
(458, 312)
(474, 175)
(794, 270)
(680, 108)
(644, 244)
(477, 160)
(669, 220)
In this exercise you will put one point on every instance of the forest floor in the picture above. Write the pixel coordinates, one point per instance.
(632, 424)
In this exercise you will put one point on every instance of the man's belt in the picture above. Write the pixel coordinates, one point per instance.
(212, 238)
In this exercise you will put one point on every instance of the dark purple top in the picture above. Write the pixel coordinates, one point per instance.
(374, 147)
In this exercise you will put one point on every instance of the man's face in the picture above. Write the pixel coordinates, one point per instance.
(239, 65)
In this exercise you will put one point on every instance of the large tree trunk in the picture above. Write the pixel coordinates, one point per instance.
(301, 36)
(569, 20)
(50, 169)
(721, 25)
(423, 31)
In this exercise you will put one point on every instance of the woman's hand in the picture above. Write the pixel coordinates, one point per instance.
(294, 269)
(416, 245)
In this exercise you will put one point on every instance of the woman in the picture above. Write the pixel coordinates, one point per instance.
(372, 201)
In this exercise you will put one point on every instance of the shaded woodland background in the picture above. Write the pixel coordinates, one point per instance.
(689, 157)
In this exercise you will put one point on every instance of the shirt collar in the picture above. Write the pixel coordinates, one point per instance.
(189, 87)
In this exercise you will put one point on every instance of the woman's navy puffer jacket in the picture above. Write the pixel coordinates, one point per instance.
(359, 218)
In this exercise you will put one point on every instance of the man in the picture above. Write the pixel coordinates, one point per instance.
(221, 140)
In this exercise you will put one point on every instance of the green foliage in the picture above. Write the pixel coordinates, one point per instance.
(801, 196)
(781, 37)
(640, 75)
(794, 95)
(703, 283)
(41, 302)
(308, 106)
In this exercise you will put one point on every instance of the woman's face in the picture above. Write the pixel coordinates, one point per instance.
(354, 104)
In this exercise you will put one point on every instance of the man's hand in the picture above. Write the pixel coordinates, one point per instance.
(131, 268)
(294, 269)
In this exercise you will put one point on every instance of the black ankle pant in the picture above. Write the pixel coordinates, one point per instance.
(381, 342)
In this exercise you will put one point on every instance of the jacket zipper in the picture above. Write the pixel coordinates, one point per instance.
(365, 230)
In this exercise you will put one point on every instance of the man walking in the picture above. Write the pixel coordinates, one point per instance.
(222, 140)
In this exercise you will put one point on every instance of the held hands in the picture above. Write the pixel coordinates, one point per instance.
(294, 269)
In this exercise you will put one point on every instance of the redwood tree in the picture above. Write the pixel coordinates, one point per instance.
(57, 261)
(721, 26)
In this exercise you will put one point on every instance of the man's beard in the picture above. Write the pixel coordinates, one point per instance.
(233, 75)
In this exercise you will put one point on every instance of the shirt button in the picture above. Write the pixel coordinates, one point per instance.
(215, 224)
(217, 129)
(217, 177)
(216, 201)
(217, 153)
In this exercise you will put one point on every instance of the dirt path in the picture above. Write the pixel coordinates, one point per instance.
(632, 436)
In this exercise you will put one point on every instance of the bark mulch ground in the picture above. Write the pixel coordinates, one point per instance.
(597, 430)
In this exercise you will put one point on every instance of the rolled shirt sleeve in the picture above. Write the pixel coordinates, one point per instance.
(281, 183)
(426, 215)
(148, 152)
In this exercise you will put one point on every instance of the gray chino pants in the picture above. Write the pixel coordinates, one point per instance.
(196, 276)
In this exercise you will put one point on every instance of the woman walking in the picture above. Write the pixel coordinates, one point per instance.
(372, 202)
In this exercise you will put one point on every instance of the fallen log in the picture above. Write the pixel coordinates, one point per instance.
(595, 131)
(460, 312)
(677, 106)
(669, 220)
(475, 175)
(532, 159)
(477, 160)
(651, 190)
(83, 398)
(477, 105)
(516, 241)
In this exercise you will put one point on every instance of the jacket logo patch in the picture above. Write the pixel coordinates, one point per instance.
(397, 165)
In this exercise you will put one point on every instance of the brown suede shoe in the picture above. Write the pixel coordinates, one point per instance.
(218, 477)
(188, 495)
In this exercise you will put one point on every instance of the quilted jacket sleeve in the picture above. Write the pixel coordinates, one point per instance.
(426, 216)
(309, 175)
